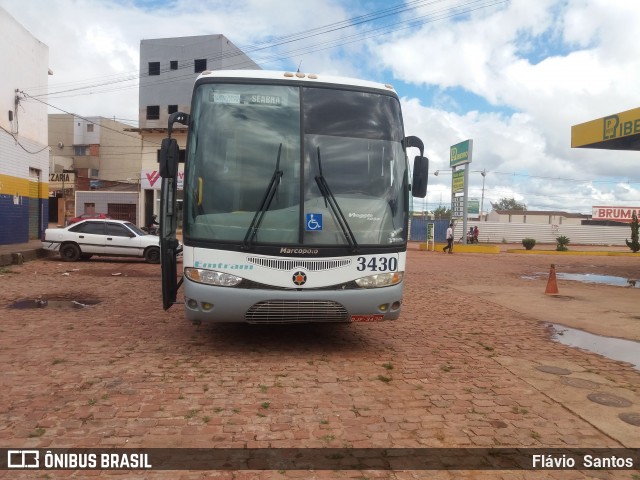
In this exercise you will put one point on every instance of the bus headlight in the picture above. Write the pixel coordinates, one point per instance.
(211, 277)
(380, 280)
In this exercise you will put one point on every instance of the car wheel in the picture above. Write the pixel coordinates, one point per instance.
(152, 255)
(70, 252)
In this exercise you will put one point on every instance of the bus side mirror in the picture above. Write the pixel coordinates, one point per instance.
(420, 176)
(169, 157)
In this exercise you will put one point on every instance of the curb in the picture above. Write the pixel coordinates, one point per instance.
(496, 249)
(463, 248)
(19, 258)
(592, 253)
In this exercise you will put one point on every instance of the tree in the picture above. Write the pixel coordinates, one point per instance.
(634, 244)
(508, 204)
(442, 212)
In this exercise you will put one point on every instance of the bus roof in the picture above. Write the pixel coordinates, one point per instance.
(297, 76)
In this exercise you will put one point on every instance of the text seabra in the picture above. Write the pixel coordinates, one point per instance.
(588, 461)
(92, 460)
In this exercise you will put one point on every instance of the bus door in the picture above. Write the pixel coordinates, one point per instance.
(169, 245)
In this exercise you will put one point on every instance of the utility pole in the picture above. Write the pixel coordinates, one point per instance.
(484, 174)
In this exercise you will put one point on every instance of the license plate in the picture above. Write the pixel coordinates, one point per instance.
(367, 318)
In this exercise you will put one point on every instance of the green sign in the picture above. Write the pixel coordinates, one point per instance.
(460, 153)
(473, 207)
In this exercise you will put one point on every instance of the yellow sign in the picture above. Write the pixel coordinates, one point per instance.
(457, 182)
(620, 131)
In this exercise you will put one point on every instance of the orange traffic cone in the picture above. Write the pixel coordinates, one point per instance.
(552, 284)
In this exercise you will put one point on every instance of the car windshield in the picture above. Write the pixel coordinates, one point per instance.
(135, 229)
(258, 155)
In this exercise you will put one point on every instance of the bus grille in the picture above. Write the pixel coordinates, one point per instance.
(290, 264)
(288, 311)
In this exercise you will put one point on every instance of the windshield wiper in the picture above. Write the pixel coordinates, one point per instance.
(335, 208)
(267, 198)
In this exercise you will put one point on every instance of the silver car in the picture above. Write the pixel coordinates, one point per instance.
(107, 237)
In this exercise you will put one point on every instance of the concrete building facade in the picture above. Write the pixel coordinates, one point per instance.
(169, 66)
(24, 152)
(89, 154)
(168, 70)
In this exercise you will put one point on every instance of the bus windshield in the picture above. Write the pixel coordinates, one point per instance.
(259, 156)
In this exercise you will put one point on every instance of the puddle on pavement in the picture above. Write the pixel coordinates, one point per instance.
(589, 278)
(53, 304)
(614, 348)
(601, 279)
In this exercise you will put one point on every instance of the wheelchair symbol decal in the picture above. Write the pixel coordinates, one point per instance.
(313, 222)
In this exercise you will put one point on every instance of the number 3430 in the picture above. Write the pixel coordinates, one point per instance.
(378, 264)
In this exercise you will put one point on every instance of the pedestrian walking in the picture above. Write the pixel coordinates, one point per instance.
(449, 239)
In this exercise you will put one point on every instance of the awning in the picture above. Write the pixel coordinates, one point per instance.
(620, 131)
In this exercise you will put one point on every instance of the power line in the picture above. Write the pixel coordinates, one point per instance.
(20, 144)
(91, 121)
(459, 9)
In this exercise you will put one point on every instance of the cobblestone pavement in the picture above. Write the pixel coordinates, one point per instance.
(125, 373)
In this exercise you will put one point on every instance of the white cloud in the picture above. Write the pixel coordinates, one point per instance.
(589, 68)
(536, 67)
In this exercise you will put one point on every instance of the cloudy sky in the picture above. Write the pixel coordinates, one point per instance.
(512, 75)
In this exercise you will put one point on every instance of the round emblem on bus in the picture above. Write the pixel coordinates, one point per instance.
(299, 278)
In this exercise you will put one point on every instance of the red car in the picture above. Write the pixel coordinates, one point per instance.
(84, 216)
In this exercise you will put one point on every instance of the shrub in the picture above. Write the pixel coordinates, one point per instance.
(528, 243)
(562, 242)
(634, 244)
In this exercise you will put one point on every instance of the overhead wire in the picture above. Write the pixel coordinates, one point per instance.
(448, 12)
(89, 120)
(445, 12)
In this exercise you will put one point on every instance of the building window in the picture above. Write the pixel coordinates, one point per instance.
(173, 64)
(154, 68)
(94, 172)
(200, 65)
(172, 109)
(80, 150)
(153, 112)
(89, 127)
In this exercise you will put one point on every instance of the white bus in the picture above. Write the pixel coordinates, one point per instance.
(296, 200)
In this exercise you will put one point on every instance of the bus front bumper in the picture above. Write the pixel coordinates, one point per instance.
(211, 304)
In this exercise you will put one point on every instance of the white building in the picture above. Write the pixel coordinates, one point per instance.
(24, 152)
(536, 217)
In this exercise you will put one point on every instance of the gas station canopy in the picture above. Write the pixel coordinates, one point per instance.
(620, 131)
